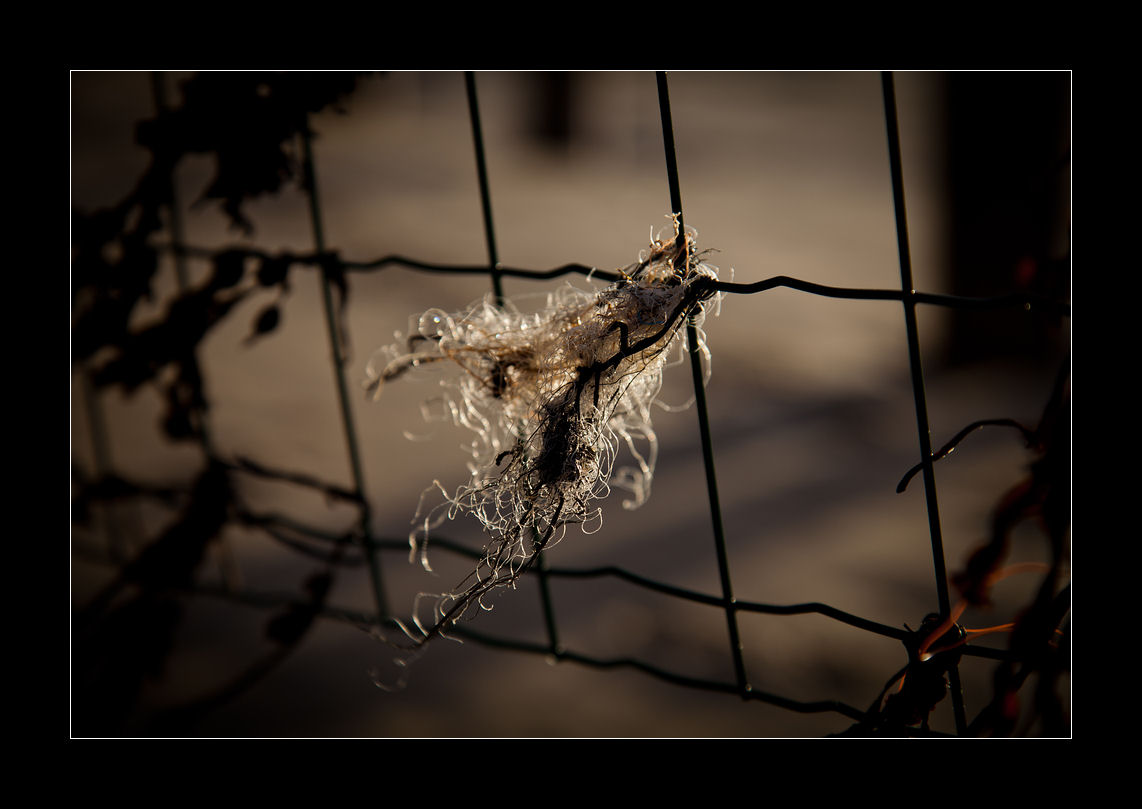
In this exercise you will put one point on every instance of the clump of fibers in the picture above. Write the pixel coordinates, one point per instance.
(551, 398)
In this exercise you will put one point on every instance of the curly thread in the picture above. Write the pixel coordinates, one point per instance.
(551, 398)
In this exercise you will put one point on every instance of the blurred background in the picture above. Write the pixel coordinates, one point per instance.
(810, 399)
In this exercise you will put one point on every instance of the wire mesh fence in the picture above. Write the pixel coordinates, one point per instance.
(678, 610)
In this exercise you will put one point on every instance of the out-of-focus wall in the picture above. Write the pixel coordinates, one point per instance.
(811, 408)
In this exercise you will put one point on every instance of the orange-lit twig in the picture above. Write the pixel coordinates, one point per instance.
(925, 652)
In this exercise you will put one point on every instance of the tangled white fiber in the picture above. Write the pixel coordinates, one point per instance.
(551, 397)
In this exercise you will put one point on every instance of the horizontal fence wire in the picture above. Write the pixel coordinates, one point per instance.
(1027, 301)
(360, 547)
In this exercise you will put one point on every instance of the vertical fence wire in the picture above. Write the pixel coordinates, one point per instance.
(498, 291)
(892, 126)
(334, 329)
(700, 403)
(101, 460)
(227, 561)
(162, 105)
(485, 192)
